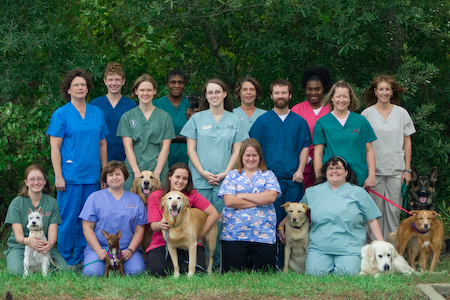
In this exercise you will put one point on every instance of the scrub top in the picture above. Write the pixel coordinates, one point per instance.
(113, 215)
(388, 148)
(147, 137)
(281, 142)
(348, 141)
(214, 142)
(178, 151)
(80, 148)
(248, 122)
(338, 218)
(112, 117)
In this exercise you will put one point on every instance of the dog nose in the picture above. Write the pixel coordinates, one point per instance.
(146, 182)
(386, 267)
(34, 222)
(174, 205)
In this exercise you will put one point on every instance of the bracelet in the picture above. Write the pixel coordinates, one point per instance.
(132, 252)
(23, 241)
(279, 228)
(409, 171)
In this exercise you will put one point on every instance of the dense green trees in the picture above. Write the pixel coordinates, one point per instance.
(42, 39)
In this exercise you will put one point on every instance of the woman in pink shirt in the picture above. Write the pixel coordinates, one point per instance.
(317, 82)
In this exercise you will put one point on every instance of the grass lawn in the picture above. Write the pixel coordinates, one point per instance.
(229, 286)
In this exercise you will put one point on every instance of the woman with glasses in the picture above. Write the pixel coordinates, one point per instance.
(34, 195)
(340, 210)
(77, 133)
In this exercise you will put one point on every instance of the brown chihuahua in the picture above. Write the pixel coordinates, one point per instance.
(114, 260)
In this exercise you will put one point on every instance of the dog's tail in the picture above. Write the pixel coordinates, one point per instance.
(9, 296)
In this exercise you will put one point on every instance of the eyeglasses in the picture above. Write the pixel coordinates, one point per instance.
(77, 85)
(39, 179)
(337, 168)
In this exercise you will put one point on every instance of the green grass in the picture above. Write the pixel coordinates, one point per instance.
(229, 286)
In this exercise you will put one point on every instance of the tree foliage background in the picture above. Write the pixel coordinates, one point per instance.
(40, 40)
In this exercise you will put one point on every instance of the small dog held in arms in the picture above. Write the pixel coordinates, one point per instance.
(381, 257)
(429, 232)
(114, 259)
(296, 236)
(33, 259)
(423, 192)
(186, 226)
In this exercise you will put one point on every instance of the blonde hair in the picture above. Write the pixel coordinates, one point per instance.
(354, 101)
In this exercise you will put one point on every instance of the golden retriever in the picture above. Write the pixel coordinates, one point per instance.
(296, 236)
(382, 257)
(429, 232)
(186, 226)
(143, 186)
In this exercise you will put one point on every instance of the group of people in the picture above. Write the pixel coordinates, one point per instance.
(243, 162)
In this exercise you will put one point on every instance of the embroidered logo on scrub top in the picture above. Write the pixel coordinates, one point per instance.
(347, 197)
(230, 127)
(206, 127)
(47, 214)
(133, 123)
(131, 206)
(356, 130)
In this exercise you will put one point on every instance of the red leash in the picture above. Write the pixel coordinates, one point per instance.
(370, 190)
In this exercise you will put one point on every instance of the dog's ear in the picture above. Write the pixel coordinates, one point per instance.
(157, 184)
(134, 186)
(119, 233)
(435, 214)
(30, 211)
(163, 201)
(414, 212)
(370, 253)
(433, 175)
(286, 204)
(305, 206)
(105, 234)
(414, 174)
(40, 211)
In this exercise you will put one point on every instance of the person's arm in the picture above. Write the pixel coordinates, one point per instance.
(237, 203)
(318, 159)
(131, 157)
(231, 163)
(211, 219)
(370, 158)
(162, 158)
(261, 199)
(407, 147)
(55, 146)
(193, 157)
(281, 229)
(179, 139)
(135, 242)
(91, 238)
(302, 159)
(31, 241)
(375, 228)
(103, 159)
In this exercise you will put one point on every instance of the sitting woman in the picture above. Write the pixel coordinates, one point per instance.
(340, 210)
(249, 218)
(113, 209)
(178, 179)
(33, 195)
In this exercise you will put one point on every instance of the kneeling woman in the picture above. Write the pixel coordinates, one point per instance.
(340, 210)
(178, 179)
(113, 209)
(249, 218)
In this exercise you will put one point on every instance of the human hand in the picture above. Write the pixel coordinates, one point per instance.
(406, 177)
(101, 254)
(370, 182)
(127, 254)
(281, 234)
(60, 184)
(297, 177)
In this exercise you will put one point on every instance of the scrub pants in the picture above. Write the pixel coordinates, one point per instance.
(71, 240)
(211, 195)
(292, 192)
(14, 260)
(248, 255)
(318, 263)
(389, 187)
(135, 265)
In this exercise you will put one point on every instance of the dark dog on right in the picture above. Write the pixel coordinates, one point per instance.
(423, 192)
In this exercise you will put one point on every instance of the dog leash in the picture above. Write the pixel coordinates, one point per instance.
(404, 194)
(382, 197)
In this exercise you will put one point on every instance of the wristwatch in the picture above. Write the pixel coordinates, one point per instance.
(409, 171)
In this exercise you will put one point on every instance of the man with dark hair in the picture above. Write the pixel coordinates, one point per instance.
(284, 137)
(176, 104)
(113, 106)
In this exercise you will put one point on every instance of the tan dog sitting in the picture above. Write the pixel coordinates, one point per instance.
(296, 236)
(114, 258)
(186, 227)
(430, 235)
(143, 186)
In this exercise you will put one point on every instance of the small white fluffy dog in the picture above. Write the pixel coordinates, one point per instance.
(33, 259)
(382, 257)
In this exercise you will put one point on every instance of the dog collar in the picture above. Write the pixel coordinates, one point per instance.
(300, 227)
(115, 258)
(416, 229)
(36, 233)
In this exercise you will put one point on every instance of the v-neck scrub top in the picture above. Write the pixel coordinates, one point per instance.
(214, 142)
(248, 122)
(80, 148)
(348, 141)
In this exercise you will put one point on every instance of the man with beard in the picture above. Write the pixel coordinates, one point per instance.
(176, 104)
(284, 137)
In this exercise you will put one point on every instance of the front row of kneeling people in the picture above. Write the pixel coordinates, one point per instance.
(246, 196)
